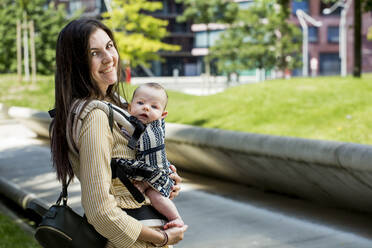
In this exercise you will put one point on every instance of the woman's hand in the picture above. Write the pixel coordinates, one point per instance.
(175, 234)
(177, 180)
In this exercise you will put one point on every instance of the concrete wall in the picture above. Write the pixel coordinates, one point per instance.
(333, 173)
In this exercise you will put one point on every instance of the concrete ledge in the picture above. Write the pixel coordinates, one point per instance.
(4, 111)
(333, 173)
(37, 121)
(330, 153)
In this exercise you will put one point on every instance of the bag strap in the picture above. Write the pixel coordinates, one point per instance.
(64, 194)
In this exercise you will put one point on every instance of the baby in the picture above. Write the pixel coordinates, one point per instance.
(148, 105)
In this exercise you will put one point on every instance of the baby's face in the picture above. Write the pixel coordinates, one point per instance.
(148, 104)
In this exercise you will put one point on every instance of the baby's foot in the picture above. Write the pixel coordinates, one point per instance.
(174, 223)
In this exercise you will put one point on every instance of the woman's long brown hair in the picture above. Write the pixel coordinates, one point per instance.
(73, 80)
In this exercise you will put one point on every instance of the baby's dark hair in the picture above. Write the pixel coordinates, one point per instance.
(155, 86)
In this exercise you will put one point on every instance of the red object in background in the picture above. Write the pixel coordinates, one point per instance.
(127, 75)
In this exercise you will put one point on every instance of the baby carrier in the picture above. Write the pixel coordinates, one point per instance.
(150, 165)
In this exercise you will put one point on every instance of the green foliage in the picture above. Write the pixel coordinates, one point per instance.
(48, 21)
(12, 236)
(367, 5)
(138, 34)
(8, 24)
(261, 37)
(208, 11)
(369, 34)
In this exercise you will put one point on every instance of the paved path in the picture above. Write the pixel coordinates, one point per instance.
(219, 214)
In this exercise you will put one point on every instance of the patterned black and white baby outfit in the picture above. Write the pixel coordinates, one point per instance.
(151, 164)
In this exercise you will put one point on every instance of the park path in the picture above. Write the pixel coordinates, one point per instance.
(219, 214)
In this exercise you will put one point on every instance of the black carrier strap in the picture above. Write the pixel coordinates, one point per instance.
(146, 212)
(117, 171)
(151, 150)
(111, 117)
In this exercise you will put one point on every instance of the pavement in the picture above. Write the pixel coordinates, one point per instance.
(219, 213)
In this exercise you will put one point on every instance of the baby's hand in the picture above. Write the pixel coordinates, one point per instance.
(174, 223)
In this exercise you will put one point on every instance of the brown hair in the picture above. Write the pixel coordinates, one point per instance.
(73, 81)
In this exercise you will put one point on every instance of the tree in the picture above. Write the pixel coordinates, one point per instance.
(48, 22)
(208, 11)
(288, 44)
(357, 39)
(259, 38)
(138, 34)
(8, 23)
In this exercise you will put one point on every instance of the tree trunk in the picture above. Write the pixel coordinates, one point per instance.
(357, 39)
(206, 59)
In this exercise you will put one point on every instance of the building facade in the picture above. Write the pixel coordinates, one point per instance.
(324, 41)
(181, 62)
(92, 8)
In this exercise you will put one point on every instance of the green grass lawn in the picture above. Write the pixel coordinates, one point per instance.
(328, 108)
(39, 95)
(12, 236)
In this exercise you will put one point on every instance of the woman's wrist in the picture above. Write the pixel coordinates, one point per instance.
(165, 239)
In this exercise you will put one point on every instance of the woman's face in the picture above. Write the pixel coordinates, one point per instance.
(103, 59)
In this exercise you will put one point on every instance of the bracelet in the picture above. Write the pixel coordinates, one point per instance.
(165, 239)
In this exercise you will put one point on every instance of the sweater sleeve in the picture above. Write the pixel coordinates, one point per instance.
(95, 150)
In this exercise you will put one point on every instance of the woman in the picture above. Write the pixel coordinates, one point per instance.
(88, 68)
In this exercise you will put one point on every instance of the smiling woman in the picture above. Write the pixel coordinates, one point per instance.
(88, 69)
(103, 60)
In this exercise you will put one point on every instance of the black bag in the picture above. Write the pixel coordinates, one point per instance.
(62, 227)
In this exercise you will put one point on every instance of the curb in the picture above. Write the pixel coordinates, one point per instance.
(24, 199)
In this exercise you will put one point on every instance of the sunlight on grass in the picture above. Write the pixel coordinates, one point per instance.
(329, 108)
(12, 236)
(25, 94)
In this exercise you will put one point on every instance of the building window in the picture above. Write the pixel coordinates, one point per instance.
(313, 34)
(87, 5)
(179, 8)
(303, 5)
(333, 34)
(245, 4)
(329, 64)
(201, 38)
(180, 27)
